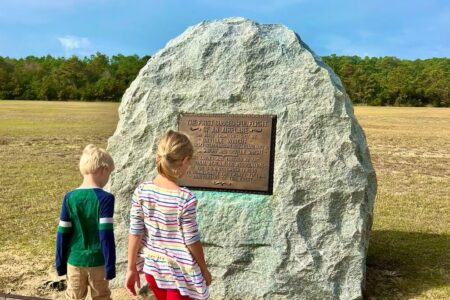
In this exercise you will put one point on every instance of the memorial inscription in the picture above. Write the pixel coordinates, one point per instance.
(233, 152)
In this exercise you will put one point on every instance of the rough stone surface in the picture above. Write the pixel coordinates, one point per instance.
(309, 239)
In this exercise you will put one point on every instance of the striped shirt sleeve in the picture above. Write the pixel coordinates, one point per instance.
(63, 238)
(136, 213)
(189, 225)
(106, 234)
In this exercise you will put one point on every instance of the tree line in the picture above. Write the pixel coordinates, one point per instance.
(368, 80)
(97, 77)
(392, 81)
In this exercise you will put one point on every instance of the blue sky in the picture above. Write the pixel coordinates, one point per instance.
(406, 29)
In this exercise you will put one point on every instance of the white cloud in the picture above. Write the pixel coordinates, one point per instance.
(75, 45)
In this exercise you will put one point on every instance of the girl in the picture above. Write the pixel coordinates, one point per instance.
(162, 221)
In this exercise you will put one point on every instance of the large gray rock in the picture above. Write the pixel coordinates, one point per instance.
(309, 239)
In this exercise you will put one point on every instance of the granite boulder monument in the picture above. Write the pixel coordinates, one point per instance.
(305, 237)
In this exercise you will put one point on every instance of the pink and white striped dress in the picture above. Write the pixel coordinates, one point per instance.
(167, 218)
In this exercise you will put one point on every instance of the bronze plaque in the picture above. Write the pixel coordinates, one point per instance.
(232, 152)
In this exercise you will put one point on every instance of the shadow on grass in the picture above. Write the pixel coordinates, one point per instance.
(403, 265)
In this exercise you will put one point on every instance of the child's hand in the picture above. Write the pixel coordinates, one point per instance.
(208, 277)
(131, 280)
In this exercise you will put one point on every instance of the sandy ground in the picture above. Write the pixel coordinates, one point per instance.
(29, 279)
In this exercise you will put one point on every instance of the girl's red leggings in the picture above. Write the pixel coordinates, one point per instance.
(162, 294)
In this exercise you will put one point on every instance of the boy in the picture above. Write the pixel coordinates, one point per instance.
(85, 247)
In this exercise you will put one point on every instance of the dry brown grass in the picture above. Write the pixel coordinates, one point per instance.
(40, 143)
(409, 255)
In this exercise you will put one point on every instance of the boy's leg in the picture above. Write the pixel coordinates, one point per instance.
(77, 283)
(99, 285)
(160, 294)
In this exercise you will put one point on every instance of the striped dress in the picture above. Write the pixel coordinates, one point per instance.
(167, 218)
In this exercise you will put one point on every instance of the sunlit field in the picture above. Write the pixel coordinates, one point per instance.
(409, 255)
(409, 252)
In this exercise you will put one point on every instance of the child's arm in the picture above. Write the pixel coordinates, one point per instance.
(132, 277)
(192, 236)
(106, 235)
(197, 252)
(63, 238)
(134, 241)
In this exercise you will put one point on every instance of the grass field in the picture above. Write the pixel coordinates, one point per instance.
(40, 143)
(409, 255)
(409, 252)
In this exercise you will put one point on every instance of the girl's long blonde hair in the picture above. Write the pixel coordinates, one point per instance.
(173, 148)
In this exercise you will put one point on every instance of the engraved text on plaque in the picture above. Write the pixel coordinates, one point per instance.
(232, 152)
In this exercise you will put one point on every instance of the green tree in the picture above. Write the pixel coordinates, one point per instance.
(368, 80)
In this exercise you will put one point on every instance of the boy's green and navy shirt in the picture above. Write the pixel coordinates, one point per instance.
(85, 235)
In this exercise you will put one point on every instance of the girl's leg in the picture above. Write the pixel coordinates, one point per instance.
(160, 294)
(175, 295)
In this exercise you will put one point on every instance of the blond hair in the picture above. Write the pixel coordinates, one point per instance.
(173, 148)
(93, 158)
